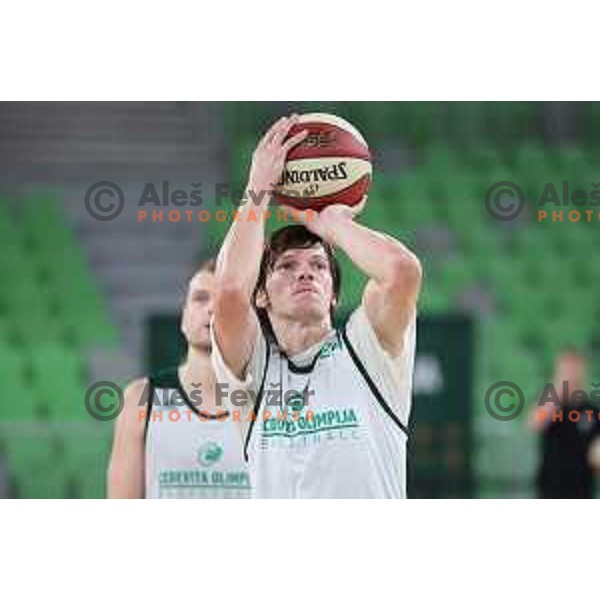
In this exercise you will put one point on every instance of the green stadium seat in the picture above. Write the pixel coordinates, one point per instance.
(17, 402)
(64, 403)
(383, 213)
(35, 325)
(23, 295)
(497, 273)
(7, 333)
(16, 397)
(91, 484)
(87, 451)
(434, 300)
(31, 451)
(484, 158)
(40, 210)
(415, 196)
(418, 122)
(479, 241)
(50, 483)
(86, 459)
(59, 377)
(386, 186)
(496, 333)
(13, 364)
(456, 275)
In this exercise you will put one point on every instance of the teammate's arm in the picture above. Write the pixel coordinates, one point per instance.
(127, 461)
(234, 321)
(394, 272)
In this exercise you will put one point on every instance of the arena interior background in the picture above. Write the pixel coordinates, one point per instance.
(84, 300)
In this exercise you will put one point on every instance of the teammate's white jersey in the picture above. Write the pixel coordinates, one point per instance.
(349, 438)
(189, 453)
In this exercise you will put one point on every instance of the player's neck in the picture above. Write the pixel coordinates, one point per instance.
(196, 374)
(294, 337)
(196, 369)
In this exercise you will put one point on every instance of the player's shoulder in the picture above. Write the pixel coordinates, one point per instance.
(357, 326)
(359, 332)
(166, 377)
(136, 390)
(139, 390)
(135, 399)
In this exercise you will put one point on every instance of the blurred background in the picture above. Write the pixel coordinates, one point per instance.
(84, 300)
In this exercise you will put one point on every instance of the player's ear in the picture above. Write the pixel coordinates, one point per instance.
(262, 300)
(182, 322)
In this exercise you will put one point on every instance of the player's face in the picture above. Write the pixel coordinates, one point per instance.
(571, 368)
(300, 285)
(198, 311)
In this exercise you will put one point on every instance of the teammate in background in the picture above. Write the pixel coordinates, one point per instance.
(569, 450)
(171, 439)
(356, 383)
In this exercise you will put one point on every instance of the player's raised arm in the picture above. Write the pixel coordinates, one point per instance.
(127, 462)
(238, 263)
(394, 272)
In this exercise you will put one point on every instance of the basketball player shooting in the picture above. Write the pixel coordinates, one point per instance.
(272, 331)
(171, 440)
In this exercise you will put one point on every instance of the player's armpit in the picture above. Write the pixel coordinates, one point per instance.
(127, 461)
(391, 305)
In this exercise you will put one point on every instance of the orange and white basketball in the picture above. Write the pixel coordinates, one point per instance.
(331, 166)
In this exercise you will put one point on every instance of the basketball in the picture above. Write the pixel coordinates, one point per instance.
(331, 166)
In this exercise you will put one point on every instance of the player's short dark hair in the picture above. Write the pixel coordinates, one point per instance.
(209, 265)
(574, 352)
(290, 238)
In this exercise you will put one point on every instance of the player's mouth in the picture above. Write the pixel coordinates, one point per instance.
(305, 290)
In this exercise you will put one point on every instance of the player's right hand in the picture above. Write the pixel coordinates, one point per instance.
(269, 157)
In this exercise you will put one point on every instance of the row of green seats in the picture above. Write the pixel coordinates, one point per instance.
(42, 466)
(75, 329)
(50, 292)
(463, 124)
(46, 381)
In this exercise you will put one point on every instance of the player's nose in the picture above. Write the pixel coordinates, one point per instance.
(306, 274)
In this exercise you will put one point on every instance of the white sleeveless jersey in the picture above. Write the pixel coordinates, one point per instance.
(349, 439)
(190, 454)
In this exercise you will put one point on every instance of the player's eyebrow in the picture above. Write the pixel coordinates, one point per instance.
(200, 294)
(297, 252)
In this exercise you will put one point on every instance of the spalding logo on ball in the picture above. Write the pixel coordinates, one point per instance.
(331, 166)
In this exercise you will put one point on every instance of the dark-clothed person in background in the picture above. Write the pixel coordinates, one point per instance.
(570, 447)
